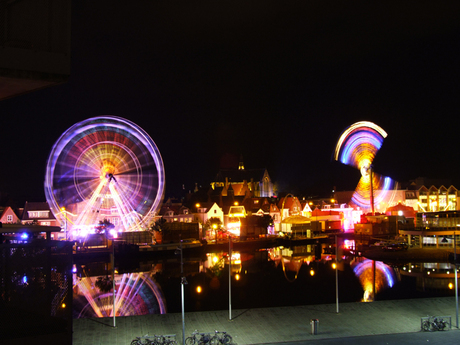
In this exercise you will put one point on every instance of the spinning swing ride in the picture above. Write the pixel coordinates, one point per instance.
(357, 146)
(102, 168)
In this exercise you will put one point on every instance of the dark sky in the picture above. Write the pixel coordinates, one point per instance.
(274, 81)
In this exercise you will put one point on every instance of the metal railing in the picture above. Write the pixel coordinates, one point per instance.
(435, 323)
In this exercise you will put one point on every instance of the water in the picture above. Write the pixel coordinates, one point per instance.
(259, 278)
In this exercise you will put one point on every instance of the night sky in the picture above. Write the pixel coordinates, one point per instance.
(276, 82)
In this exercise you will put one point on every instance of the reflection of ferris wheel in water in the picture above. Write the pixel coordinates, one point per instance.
(101, 168)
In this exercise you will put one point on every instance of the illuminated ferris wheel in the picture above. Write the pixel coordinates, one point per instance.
(357, 146)
(101, 168)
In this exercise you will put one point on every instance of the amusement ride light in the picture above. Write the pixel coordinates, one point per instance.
(357, 147)
(105, 166)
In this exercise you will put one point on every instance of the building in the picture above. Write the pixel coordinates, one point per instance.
(38, 213)
(8, 216)
(375, 227)
(421, 197)
(176, 213)
(243, 182)
(207, 210)
(433, 199)
(439, 229)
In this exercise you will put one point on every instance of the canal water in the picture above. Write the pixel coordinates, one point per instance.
(256, 279)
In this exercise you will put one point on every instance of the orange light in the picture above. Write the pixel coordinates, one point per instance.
(235, 203)
(63, 305)
(198, 289)
(451, 286)
(197, 205)
(312, 272)
(334, 265)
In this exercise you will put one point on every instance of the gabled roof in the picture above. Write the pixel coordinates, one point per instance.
(257, 203)
(400, 207)
(37, 206)
(288, 202)
(5, 210)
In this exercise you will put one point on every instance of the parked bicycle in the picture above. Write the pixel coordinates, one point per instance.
(221, 338)
(434, 324)
(168, 339)
(143, 340)
(198, 338)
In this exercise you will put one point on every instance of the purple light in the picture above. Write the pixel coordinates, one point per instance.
(385, 269)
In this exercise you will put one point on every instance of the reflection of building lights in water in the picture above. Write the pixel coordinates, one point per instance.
(384, 277)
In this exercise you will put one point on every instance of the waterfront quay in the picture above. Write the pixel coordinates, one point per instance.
(135, 251)
(277, 325)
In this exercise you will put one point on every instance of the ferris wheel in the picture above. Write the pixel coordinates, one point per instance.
(357, 146)
(101, 168)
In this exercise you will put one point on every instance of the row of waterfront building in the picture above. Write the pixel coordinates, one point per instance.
(237, 195)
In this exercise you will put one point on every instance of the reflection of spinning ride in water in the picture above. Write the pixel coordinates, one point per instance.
(358, 146)
(136, 294)
(104, 168)
(374, 277)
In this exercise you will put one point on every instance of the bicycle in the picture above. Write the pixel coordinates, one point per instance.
(143, 340)
(222, 338)
(434, 324)
(198, 338)
(168, 339)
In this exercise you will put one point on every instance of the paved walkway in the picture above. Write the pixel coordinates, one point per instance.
(273, 325)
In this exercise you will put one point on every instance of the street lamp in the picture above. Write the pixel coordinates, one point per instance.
(456, 282)
(65, 216)
(336, 276)
(183, 281)
(229, 276)
(113, 282)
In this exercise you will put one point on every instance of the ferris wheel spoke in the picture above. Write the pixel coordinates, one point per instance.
(135, 170)
(90, 211)
(128, 214)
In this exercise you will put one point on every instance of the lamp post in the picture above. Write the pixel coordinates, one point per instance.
(336, 276)
(456, 282)
(113, 283)
(183, 281)
(65, 217)
(229, 276)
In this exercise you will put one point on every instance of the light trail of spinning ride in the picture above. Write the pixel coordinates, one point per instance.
(357, 146)
(105, 167)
